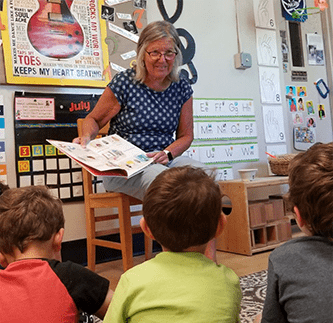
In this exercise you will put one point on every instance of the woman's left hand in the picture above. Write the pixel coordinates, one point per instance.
(159, 157)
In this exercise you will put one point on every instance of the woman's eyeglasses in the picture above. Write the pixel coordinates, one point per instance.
(155, 55)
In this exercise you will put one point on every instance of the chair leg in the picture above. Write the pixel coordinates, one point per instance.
(148, 248)
(125, 230)
(91, 255)
(91, 248)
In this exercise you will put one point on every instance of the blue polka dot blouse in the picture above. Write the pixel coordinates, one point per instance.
(147, 119)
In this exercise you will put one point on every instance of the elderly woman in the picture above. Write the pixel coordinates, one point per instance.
(150, 106)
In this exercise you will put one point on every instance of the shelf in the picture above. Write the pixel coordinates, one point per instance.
(261, 181)
(253, 226)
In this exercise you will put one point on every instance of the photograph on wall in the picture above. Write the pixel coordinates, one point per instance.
(55, 42)
(315, 49)
(321, 111)
(297, 118)
(310, 108)
(311, 122)
(304, 137)
(290, 91)
(301, 91)
(300, 105)
(292, 105)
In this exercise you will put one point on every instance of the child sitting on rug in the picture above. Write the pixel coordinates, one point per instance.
(35, 285)
(182, 211)
(300, 281)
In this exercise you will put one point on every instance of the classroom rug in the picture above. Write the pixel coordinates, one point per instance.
(254, 292)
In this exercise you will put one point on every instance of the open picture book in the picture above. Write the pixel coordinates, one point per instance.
(106, 156)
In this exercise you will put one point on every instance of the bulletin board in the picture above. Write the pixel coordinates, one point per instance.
(80, 43)
(49, 116)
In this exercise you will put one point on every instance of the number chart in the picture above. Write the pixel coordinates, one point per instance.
(41, 116)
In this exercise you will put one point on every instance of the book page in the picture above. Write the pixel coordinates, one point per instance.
(106, 153)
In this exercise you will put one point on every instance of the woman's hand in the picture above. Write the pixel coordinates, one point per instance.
(106, 108)
(83, 141)
(159, 157)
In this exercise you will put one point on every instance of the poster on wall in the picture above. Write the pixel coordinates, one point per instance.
(273, 123)
(267, 47)
(269, 79)
(264, 14)
(294, 10)
(315, 49)
(53, 42)
(41, 116)
(304, 137)
(123, 31)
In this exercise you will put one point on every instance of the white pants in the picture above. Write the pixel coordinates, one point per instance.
(137, 185)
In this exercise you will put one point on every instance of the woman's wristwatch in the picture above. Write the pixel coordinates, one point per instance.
(168, 153)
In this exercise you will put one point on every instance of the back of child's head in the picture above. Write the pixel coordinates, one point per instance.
(182, 208)
(3, 187)
(28, 214)
(311, 188)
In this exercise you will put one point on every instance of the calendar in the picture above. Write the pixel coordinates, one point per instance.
(40, 116)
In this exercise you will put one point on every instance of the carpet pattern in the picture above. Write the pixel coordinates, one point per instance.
(254, 292)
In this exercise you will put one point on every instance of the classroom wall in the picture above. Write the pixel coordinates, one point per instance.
(212, 24)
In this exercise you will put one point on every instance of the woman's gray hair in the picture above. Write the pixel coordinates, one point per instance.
(155, 31)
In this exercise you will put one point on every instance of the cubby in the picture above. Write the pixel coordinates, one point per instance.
(258, 238)
(254, 226)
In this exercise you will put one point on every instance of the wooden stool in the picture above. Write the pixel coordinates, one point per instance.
(110, 200)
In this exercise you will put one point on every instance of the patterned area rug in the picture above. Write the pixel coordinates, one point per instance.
(254, 292)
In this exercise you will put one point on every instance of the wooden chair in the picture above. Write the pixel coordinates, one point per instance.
(122, 203)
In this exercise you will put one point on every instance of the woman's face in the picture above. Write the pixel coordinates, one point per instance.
(161, 67)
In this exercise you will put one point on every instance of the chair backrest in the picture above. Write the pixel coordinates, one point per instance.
(87, 177)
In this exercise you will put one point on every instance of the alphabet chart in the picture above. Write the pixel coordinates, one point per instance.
(41, 116)
(231, 121)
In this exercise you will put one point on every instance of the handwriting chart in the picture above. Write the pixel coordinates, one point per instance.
(223, 107)
(225, 129)
(227, 153)
(224, 153)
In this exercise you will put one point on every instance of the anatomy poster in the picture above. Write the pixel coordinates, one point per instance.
(55, 42)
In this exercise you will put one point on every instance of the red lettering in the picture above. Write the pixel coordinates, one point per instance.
(29, 60)
(80, 106)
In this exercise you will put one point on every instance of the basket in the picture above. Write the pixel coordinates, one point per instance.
(280, 164)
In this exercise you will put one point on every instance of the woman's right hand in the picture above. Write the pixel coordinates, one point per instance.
(83, 141)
